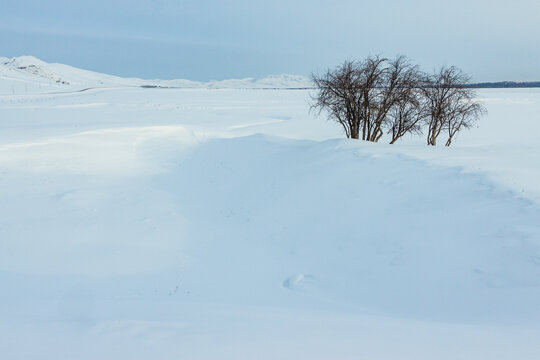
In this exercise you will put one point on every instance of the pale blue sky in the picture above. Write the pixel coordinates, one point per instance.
(210, 39)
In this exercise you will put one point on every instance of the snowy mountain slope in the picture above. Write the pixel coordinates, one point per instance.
(21, 74)
(28, 70)
(202, 224)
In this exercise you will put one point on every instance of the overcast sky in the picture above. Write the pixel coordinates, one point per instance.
(211, 39)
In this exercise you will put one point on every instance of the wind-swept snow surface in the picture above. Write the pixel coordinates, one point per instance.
(231, 224)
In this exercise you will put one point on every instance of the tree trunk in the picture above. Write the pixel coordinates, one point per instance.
(381, 133)
(355, 131)
(394, 139)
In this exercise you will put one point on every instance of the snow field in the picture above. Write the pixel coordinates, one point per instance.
(232, 224)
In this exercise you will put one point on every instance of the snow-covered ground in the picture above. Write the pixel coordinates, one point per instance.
(232, 224)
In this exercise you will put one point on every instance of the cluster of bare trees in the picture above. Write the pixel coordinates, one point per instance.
(378, 95)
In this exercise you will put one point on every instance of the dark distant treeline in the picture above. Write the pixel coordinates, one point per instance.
(505, 84)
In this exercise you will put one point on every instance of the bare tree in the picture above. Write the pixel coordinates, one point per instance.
(373, 76)
(339, 94)
(399, 89)
(378, 94)
(451, 105)
(466, 114)
(408, 108)
(360, 95)
(407, 116)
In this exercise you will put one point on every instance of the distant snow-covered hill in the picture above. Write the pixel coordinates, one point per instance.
(26, 74)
